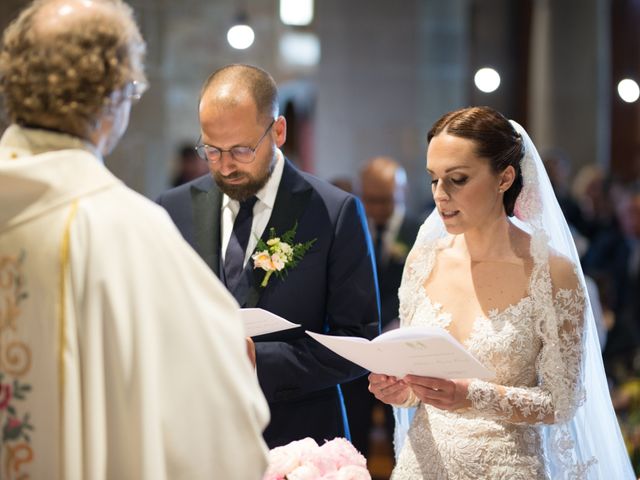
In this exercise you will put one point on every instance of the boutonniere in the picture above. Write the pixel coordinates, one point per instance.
(279, 253)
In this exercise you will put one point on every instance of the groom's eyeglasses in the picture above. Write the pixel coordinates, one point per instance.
(240, 154)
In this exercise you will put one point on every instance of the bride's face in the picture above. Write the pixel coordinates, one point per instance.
(465, 189)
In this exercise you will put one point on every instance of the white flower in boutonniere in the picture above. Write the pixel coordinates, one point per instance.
(278, 254)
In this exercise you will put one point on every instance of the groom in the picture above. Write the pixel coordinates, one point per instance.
(251, 190)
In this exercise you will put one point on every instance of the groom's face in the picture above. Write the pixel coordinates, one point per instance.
(234, 122)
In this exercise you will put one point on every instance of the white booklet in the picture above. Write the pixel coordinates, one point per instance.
(258, 321)
(425, 351)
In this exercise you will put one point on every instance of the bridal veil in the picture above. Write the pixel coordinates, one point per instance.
(587, 444)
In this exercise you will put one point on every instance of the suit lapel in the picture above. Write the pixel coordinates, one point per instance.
(206, 200)
(293, 196)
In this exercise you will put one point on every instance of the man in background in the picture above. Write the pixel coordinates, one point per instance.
(613, 261)
(383, 187)
(383, 184)
(121, 356)
(254, 190)
(188, 166)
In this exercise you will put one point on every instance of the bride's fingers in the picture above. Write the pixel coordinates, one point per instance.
(436, 384)
(429, 394)
(444, 394)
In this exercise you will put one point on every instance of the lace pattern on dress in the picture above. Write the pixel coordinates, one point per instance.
(564, 361)
(534, 405)
(548, 387)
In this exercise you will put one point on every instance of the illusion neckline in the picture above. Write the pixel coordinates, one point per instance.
(493, 314)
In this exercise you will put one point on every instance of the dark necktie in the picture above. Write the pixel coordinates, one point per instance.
(234, 257)
(378, 246)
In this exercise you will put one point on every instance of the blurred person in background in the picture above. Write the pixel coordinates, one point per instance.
(343, 183)
(591, 190)
(613, 260)
(188, 165)
(558, 167)
(383, 190)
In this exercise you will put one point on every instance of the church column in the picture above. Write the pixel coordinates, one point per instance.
(569, 79)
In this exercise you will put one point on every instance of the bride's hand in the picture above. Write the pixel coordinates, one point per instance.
(441, 393)
(388, 389)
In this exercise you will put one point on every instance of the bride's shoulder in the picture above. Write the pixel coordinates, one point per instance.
(564, 274)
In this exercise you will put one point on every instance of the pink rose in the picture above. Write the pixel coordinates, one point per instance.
(13, 423)
(337, 459)
(6, 393)
(324, 464)
(339, 452)
(350, 472)
(285, 459)
(305, 472)
(353, 472)
(281, 462)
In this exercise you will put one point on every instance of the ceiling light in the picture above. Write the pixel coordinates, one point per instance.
(241, 35)
(296, 12)
(628, 90)
(487, 80)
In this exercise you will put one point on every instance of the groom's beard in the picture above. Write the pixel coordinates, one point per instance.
(247, 190)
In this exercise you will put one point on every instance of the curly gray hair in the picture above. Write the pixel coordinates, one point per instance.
(62, 77)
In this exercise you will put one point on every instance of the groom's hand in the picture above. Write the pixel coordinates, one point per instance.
(388, 389)
(251, 351)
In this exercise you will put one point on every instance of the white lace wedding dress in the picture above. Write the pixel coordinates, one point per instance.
(499, 437)
(546, 356)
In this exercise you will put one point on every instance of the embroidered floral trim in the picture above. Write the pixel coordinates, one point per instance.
(15, 364)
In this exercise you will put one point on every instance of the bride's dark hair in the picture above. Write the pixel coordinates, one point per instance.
(495, 139)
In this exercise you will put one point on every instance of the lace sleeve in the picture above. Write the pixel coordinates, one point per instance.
(559, 391)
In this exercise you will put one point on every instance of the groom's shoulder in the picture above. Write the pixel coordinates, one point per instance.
(203, 183)
(333, 200)
(325, 189)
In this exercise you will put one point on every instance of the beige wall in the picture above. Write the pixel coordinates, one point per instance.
(388, 70)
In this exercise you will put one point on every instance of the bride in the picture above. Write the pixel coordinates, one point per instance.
(495, 265)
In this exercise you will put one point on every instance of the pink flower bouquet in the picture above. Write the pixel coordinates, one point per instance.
(306, 460)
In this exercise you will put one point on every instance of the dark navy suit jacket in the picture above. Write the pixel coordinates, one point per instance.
(332, 290)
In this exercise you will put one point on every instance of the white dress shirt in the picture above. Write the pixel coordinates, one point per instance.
(261, 211)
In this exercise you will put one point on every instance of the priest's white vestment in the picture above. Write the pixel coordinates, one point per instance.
(121, 355)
